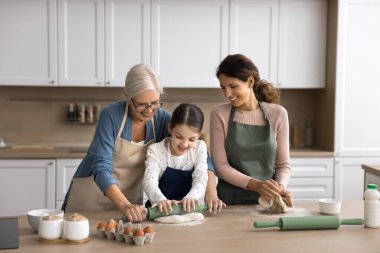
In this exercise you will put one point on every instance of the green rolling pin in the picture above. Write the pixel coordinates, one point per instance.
(154, 213)
(308, 222)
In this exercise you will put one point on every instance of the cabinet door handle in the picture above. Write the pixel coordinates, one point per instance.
(52, 82)
(108, 83)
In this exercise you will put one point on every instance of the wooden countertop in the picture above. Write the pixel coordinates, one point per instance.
(43, 152)
(374, 169)
(229, 231)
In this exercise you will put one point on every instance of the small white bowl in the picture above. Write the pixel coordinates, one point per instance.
(330, 206)
(34, 216)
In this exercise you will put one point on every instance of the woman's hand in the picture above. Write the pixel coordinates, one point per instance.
(286, 196)
(189, 204)
(135, 213)
(165, 206)
(269, 189)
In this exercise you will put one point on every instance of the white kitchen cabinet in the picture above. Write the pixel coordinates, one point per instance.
(81, 42)
(100, 40)
(189, 39)
(66, 169)
(311, 179)
(286, 39)
(254, 33)
(26, 185)
(349, 176)
(127, 26)
(302, 44)
(357, 92)
(28, 42)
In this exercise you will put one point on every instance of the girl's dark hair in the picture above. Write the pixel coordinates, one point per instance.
(241, 67)
(188, 114)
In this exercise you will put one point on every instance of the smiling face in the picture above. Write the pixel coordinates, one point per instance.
(182, 139)
(238, 93)
(139, 106)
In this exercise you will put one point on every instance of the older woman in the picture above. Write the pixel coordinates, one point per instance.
(111, 173)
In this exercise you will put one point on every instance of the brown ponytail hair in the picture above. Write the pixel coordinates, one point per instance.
(241, 67)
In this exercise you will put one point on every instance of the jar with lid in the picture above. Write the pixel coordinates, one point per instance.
(82, 113)
(89, 113)
(371, 207)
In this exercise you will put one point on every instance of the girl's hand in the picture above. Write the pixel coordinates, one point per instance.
(165, 206)
(189, 204)
(269, 189)
(213, 203)
(135, 213)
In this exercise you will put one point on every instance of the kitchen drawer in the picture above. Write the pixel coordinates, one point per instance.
(311, 187)
(312, 167)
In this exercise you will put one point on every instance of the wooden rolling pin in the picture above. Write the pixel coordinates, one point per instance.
(308, 222)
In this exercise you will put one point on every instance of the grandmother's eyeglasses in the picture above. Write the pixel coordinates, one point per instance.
(144, 107)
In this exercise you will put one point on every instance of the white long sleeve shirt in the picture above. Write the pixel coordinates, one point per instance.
(158, 158)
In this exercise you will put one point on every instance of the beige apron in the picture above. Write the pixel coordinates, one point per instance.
(128, 171)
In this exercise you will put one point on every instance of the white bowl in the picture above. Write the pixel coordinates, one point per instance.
(330, 206)
(34, 216)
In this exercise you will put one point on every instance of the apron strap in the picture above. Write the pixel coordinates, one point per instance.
(264, 111)
(124, 120)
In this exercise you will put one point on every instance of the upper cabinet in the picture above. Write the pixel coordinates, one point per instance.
(28, 42)
(99, 41)
(81, 42)
(286, 39)
(302, 44)
(127, 38)
(254, 33)
(189, 39)
(184, 41)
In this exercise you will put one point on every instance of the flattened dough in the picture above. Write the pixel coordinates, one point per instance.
(176, 219)
(274, 205)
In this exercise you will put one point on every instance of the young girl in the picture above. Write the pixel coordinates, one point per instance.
(176, 168)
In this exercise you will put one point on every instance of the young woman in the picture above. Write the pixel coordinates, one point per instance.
(249, 137)
(176, 168)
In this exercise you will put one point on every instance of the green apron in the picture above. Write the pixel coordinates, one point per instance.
(250, 149)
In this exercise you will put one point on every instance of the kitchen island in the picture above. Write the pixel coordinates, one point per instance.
(229, 231)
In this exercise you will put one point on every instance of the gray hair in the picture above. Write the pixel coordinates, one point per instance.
(140, 78)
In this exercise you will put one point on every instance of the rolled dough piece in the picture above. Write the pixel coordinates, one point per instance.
(275, 205)
(176, 219)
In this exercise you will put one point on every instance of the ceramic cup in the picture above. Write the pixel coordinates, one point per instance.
(50, 228)
(76, 230)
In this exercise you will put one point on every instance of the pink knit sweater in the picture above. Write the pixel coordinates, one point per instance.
(278, 117)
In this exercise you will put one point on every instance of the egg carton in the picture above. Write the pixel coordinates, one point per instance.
(125, 233)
